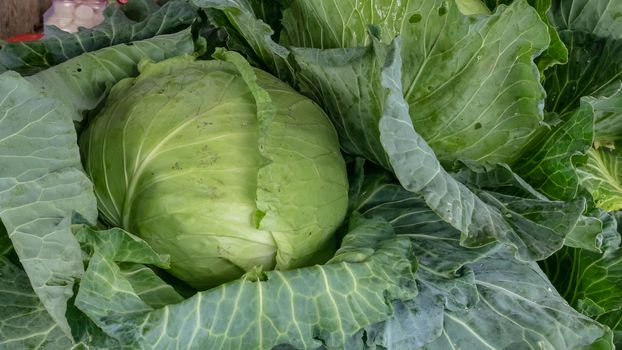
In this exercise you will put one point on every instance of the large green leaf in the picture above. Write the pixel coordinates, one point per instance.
(482, 217)
(518, 308)
(24, 320)
(470, 81)
(306, 308)
(464, 106)
(471, 298)
(57, 47)
(42, 183)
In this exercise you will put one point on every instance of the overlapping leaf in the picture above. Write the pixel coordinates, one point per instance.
(518, 308)
(24, 320)
(41, 183)
(471, 298)
(116, 281)
(306, 308)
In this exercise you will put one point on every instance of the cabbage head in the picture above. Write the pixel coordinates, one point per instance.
(221, 166)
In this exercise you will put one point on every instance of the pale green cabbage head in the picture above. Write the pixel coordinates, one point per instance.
(219, 165)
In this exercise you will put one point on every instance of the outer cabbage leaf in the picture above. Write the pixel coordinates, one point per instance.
(518, 308)
(471, 298)
(305, 308)
(40, 186)
(592, 30)
(24, 320)
(116, 282)
(473, 88)
(459, 94)
(58, 46)
(581, 93)
(42, 183)
(496, 215)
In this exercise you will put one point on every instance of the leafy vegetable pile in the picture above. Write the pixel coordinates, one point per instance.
(175, 177)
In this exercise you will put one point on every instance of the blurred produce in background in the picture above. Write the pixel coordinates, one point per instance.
(21, 16)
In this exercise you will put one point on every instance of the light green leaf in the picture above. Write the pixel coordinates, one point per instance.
(41, 184)
(473, 89)
(120, 246)
(31, 57)
(480, 218)
(149, 286)
(602, 178)
(556, 53)
(305, 308)
(24, 320)
(127, 289)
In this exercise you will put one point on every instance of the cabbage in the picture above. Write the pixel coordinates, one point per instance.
(222, 169)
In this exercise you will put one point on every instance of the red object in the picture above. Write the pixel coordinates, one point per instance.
(25, 37)
(122, 2)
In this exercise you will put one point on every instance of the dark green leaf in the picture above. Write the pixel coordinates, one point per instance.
(24, 320)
